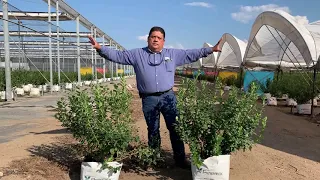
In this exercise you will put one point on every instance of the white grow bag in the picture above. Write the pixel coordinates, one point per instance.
(267, 95)
(315, 102)
(3, 95)
(26, 88)
(43, 88)
(35, 92)
(100, 81)
(272, 101)
(55, 88)
(291, 102)
(215, 167)
(69, 86)
(20, 92)
(304, 108)
(227, 88)
(87, 83)
(92, 170)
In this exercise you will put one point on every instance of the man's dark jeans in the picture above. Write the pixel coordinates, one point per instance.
(166, 104)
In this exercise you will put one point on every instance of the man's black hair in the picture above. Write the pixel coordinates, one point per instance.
(157, 28)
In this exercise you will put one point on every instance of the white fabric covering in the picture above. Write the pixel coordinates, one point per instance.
(277, 38)
(232, 52)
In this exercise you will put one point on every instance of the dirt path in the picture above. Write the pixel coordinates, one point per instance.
(42, 149)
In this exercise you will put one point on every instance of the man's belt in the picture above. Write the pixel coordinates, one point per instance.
(154, 94)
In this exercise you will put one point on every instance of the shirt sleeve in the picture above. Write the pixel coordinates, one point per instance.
(190, 55)
(122, 57)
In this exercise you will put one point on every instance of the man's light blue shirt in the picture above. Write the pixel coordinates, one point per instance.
(154, 71)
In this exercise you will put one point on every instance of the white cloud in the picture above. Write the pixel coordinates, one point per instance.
(143, 38)
(175, 46)
(302, 20)
(247, 13)
(245, 40)
(199, 4)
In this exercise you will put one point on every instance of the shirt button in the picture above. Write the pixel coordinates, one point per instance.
(156, 74)
(157, 83)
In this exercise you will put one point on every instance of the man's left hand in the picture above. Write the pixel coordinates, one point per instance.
(217, 47)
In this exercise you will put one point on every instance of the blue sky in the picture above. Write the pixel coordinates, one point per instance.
(188, 24)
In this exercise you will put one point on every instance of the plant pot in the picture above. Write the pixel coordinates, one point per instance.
(34, 92)
(69, 86)
(92, 170)
(267, 95)
(304, 108)
(291, 102)
(55, 88)
(43, 88)
(87, 83)
(215, 167)
(26, 88)
(285, 96)
(20, 92)
(315, 102)
(3, 95)
(272, 101)
(227, 88)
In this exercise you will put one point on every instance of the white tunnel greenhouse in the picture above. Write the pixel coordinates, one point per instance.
(232, 53)
(279, 39)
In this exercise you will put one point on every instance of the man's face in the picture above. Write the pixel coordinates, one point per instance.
(156, 41)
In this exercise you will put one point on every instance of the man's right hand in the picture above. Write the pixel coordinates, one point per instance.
(94, 43)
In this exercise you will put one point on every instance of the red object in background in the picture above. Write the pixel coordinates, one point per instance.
(210, 73)
(100, 70)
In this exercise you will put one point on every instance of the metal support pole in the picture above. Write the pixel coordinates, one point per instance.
(111, 63)
(313, 89)
(63, 65)
(19, 23)
(95, 56)
(104, 62)
(117, 63)
(50, 48)
(8, 95)
(241, 74)
(78, 49)
(92, 65)
(58, 41)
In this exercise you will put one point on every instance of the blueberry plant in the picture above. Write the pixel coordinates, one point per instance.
(214, 125)
(100, 118)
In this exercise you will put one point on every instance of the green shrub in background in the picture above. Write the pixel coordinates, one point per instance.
(22, 77)
(229, 81)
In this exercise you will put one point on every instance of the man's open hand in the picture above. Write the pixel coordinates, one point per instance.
(218, 46)
(94, 43)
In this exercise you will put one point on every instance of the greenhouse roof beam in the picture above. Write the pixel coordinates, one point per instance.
(40, 16)
(53, 43)
(63, 6)
(46, 34)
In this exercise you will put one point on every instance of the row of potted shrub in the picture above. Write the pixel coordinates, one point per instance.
(21, 77)
(212, 125)
(295, 86)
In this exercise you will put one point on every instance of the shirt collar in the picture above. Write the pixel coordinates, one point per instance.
(154, 52)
